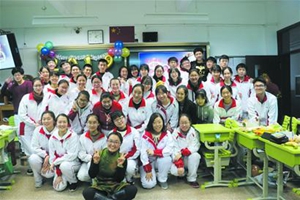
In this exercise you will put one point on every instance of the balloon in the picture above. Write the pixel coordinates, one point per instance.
(52, 54)
(49, 45)
(43, 57)
(118, 44)
(109, 60)
(117, 59)
(118, 52)
(45, 51)
(111, 51)
(39, 47)
(125, 52)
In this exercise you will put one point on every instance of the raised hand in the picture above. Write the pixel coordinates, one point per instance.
(121, 159)
(96, 157)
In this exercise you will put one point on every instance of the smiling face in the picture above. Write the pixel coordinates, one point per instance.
(200, 101)
(62, 88)
(45, 74)
(198, 55)
(37, 87)
(54, 79)
(115, 86)
(81, 82)
(82, 101)
(227, 75)
(159, 72)
(226, 95)
(184, 124)
(97, 84)
(120, 122)
(158, 125)
(113, 143)
(124, 73)
(260, 88)
(137, 94)
(75, 71)
(106, 103)
(48, 121)
(162, 96)
(62, 124)
(87, 71)
(66, 68)
(134, 72)
(102, 66)
(51, 65)
(93, 124)
(180, 95)
(186, 65)
(18, 77)
(174, 75)
(194, 77)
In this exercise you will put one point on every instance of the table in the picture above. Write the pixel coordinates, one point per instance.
(5, 107)
(211, 133)
(283, 155)
(252, 142)
(6, 136)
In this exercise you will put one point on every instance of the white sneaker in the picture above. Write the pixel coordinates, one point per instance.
(164, 185)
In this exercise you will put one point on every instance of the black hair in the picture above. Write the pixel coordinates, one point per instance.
(51, 114)
(75, 65)
(184, 59)
(116, 115)
(96, 76)
(194, 70)
(224, 57)
(114, 79)
(117, 134)
(17, 70)
(216, 68)
(173, 59)
(50, 59)
(170, 78)
(84, 93)
(64, 62)
(44, 67)
(186, 92)
(105, 95)
(131, 68)
(54, 73)
(226, 87)
(81, 75)
(144, 66)
(187, 116)
(213, 59)
(36, 79)
(241, 65)
(154, 75)
(198, 49)
(151, 120)
(229, 68)
(123, 67)
(259, 79)
(63, 81)
(162, 88)
(64, 115)
(87, 65)
(147, 79)
(201, 93)
(138, 85)
(97, 118)
(102, 60)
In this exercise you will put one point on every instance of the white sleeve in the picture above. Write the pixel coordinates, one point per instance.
(35, 144)
(174, 116)
(23, 112)
(273, 113)
(193, 142)
(251, 109)
(169, 148)
(72, 151)
(82, 154)
(216, 114)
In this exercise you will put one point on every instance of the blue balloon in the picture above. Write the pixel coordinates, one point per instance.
(45, 51)
(118, 44)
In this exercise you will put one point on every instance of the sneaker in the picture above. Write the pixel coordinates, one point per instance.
(194, 184)
(38, 184)
(72, 187)
(29, 172)
(164, 185)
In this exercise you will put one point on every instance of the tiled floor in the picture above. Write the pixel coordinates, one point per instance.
(24, 189)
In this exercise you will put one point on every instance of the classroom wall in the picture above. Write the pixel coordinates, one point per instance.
(236, 28)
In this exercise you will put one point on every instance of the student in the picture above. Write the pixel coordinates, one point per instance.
(144, 71)
(167, 106)
(245, 87)
(123, 77)
(210, 63)
(271, 87)
(30, 111)
(223, 61)
(138, 109)
(156, 150)
(87, 70)
(103, 109)
(134, 75)
(39, 159)
(80, 86)
(60, 101)
(205, 112)
(92, 140)
(63, 152)
(97, 90)
(214, 85)
(262, 106)
(16, 88)
(194, 84)
(119, 96)
(80, 110)
(130, 145)
(103, 73)
(227, 74)
(185, 66)
(174, 81)
(172, 64)
(53, 84)
(185, 105)
(75, 71)
(226, 107)
(159, 74)
(108, 168)
(51, 64)
(44, 74)
(148, 95)
(185, 155)
(198, 54)
(66, 68)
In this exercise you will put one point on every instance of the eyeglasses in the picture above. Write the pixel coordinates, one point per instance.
(113, 142)
(119, 119)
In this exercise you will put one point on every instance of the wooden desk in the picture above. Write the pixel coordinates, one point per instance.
(7, 107)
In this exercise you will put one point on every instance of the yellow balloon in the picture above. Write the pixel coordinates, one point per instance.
(109, 59)
(39, 47)
(125, 52)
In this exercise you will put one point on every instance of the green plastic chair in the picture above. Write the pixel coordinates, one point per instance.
(295, 123)
(286, 124)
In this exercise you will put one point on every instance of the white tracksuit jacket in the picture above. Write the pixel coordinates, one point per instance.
(58, 104)
(78, 119)
(220, 114)
(245, 88)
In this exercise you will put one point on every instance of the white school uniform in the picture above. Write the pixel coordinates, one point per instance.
(86, 150)
(161, 160)
(189, 145)
(58, 104)
(138, 118)
(220, 114)
(149, 96)
(214, 90)
(40, 149)
(123, 101)
(78, 119)
(130, 146)
(192, 95)
(48, 89)
(265, 112)
(94, 96)
(172, 88)
(125, 87)
(170, 113)
(245, 88)
(29, 114)
(63, 152)
(105, 79)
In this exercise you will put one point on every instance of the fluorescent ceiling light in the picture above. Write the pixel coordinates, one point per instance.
(178, 16)
(64, 19)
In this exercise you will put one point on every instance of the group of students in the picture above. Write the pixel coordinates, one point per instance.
(77, 126)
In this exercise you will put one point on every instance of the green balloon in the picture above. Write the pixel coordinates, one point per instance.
(117, 59)
(49, 45)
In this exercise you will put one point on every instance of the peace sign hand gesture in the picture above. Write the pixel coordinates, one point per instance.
(96, 157)
(121, 159)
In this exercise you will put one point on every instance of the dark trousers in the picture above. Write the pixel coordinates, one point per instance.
(89, 193)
